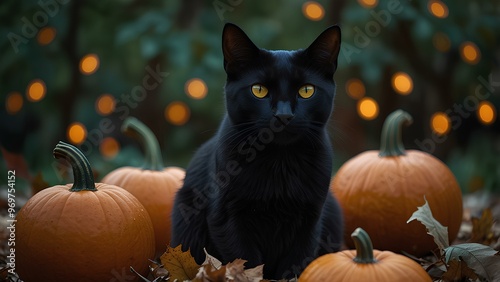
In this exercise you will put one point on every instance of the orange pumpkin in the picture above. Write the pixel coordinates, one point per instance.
(154, 185)
(363, 264)
(83, 231)
(379, 191)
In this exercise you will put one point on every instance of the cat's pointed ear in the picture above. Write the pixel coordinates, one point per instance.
(325, 49)
(237, 48)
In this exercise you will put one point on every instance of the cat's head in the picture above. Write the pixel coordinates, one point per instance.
(288, 92)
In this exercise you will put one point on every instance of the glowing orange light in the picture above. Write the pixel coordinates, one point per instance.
(89, 64)
(177, 113)
(109, 147)
(438, 9)
(196, 88)
(440, 123)
(470, 53)
(36, 90)
(486, 112)
(367, 108)
(77, 133)
(313, 10)
(14, 102)
(105, 104)
(441, 42)
(368, 3)
(355, 88)
(46, 35)
(402, 83)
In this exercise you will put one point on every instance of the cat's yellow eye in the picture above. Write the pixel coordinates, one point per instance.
(306, 91)
(259, 90)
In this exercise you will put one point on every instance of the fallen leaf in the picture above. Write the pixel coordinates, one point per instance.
(208, 274)
(482, 259)
(181, 265)
(434, 228)
(212, 261)
(235, 270)
(458, 271)
(482, 229)
(255, 274)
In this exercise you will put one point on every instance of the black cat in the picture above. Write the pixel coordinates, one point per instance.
(259, 189)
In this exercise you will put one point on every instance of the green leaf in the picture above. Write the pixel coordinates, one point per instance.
(434, 228)
(484, 260)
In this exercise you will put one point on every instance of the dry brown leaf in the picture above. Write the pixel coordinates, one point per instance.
(235, 270)
(181, 265)
(482, 229)
(457, 271)
(209, 274)
(255, 274)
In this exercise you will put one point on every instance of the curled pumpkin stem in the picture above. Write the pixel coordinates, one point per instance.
(364, 247)
(391, 144)
(82, 172)
(152, 154)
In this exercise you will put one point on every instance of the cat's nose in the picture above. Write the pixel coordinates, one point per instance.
(284, 112)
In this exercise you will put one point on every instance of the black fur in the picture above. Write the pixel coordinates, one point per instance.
(259, 189)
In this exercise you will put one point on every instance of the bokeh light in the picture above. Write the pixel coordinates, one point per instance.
(177, 113)
(313, 10)
(355, 88)
(196, 88)
(36, 90)
(76, 133)
(486, 113)
(368, 3)
(89, 64)
(470, 52)
(440, 123)
(46, 35)
(368, 108)
(441, 42)
(14, 103)
(105, 104)
(402, 83)
(109, 147)
(438, 9)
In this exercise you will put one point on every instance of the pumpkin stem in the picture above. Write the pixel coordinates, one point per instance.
(391, 144)
(82, 172)
(138, 130)
(364, 247)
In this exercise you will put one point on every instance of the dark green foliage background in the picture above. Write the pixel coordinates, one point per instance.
(183, 38)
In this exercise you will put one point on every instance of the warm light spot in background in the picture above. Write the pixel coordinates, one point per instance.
(355, 88)
(177, 113)
(105, 104)
(46, 35)
(470, 53)
(89, 64)
(196, 88)
(368, 3)
(36, 90)
(14, 102)
(438, 9)
(77, 133)
(313, 10)
(486, 112)
(402, 83)
(367, 108)
(109, 147)
(440, 123)
(441, 42)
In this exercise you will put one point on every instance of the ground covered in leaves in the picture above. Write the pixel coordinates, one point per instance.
(473, 256)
